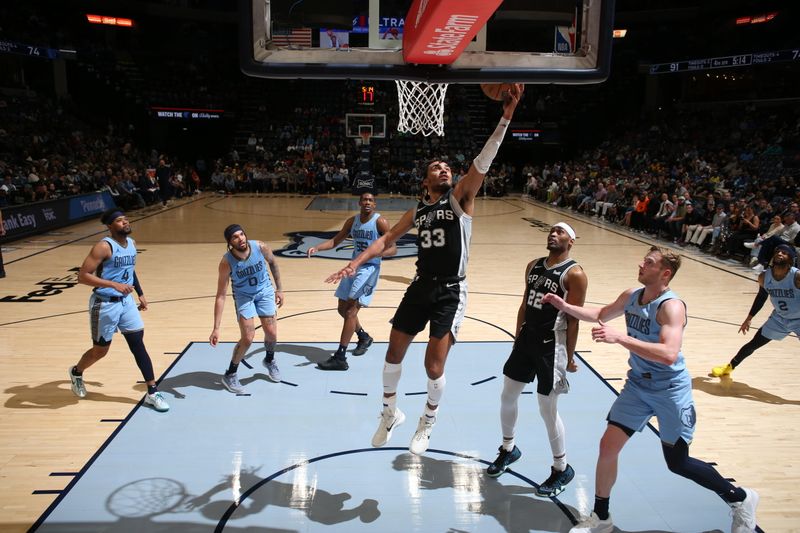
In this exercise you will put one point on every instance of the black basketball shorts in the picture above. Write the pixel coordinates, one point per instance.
(539, 355)
(441, 302)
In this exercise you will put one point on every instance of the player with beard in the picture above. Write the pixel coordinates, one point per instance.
(356, 292)
(543, 350)
(110, 269)
(438, 293)
(780, 284)
(245, 266)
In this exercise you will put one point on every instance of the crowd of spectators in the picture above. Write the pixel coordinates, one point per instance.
(722, 178)
(47, 153)
(724, 182)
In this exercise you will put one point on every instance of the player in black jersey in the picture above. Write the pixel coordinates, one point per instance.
(438, 293)
(543, 350)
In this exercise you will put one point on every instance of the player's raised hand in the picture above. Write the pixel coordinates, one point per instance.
(513, 96)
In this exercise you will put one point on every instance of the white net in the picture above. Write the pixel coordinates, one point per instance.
(421, 107)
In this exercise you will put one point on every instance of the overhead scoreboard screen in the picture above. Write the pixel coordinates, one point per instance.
(741, 60)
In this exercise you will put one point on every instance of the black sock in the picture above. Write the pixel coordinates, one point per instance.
(152, 389)
(362, 334)
(269, 357)
(75, 371)
(232, 369)
(734, 496)
(341, 352)
(601, 507)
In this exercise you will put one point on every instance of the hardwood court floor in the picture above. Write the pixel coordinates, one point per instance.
(748, 425)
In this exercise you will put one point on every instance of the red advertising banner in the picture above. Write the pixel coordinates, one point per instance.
(437, 31)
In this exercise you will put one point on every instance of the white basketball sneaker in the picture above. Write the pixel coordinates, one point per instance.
(389, 421)
(231, 382)
(744, 513)
(157, 402)
(423, 435)
(593, 524)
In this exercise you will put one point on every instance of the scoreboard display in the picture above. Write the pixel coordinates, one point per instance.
(366, 95)
(741, 60)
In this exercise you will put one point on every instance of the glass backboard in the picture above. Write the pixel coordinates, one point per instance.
(551, 41)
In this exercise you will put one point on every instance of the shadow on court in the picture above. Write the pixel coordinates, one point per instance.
(727, 387)
(203, 380)
(318, 505)
(57, 394)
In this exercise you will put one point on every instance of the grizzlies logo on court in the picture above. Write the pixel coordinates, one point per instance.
(301, 241)
(689, 416)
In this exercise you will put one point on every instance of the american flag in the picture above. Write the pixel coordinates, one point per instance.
(294, 36)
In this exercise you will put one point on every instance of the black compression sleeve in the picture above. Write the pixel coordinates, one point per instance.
(136, 286)
(758, 303)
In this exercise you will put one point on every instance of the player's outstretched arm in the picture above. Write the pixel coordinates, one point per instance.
(334, 242)
(590, 314)
(376, 248)
(758, 302)
(469, 186)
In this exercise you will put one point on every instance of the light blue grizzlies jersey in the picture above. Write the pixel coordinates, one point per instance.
(365, 234)
(783, 294)
(119, 267)
(642, 324)
(249, 276)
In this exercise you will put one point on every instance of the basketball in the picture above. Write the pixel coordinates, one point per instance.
(496, 91)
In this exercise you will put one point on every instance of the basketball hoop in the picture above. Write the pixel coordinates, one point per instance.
(421, 107)
(365, 135)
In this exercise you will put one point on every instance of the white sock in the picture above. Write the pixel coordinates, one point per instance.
(390, 403)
